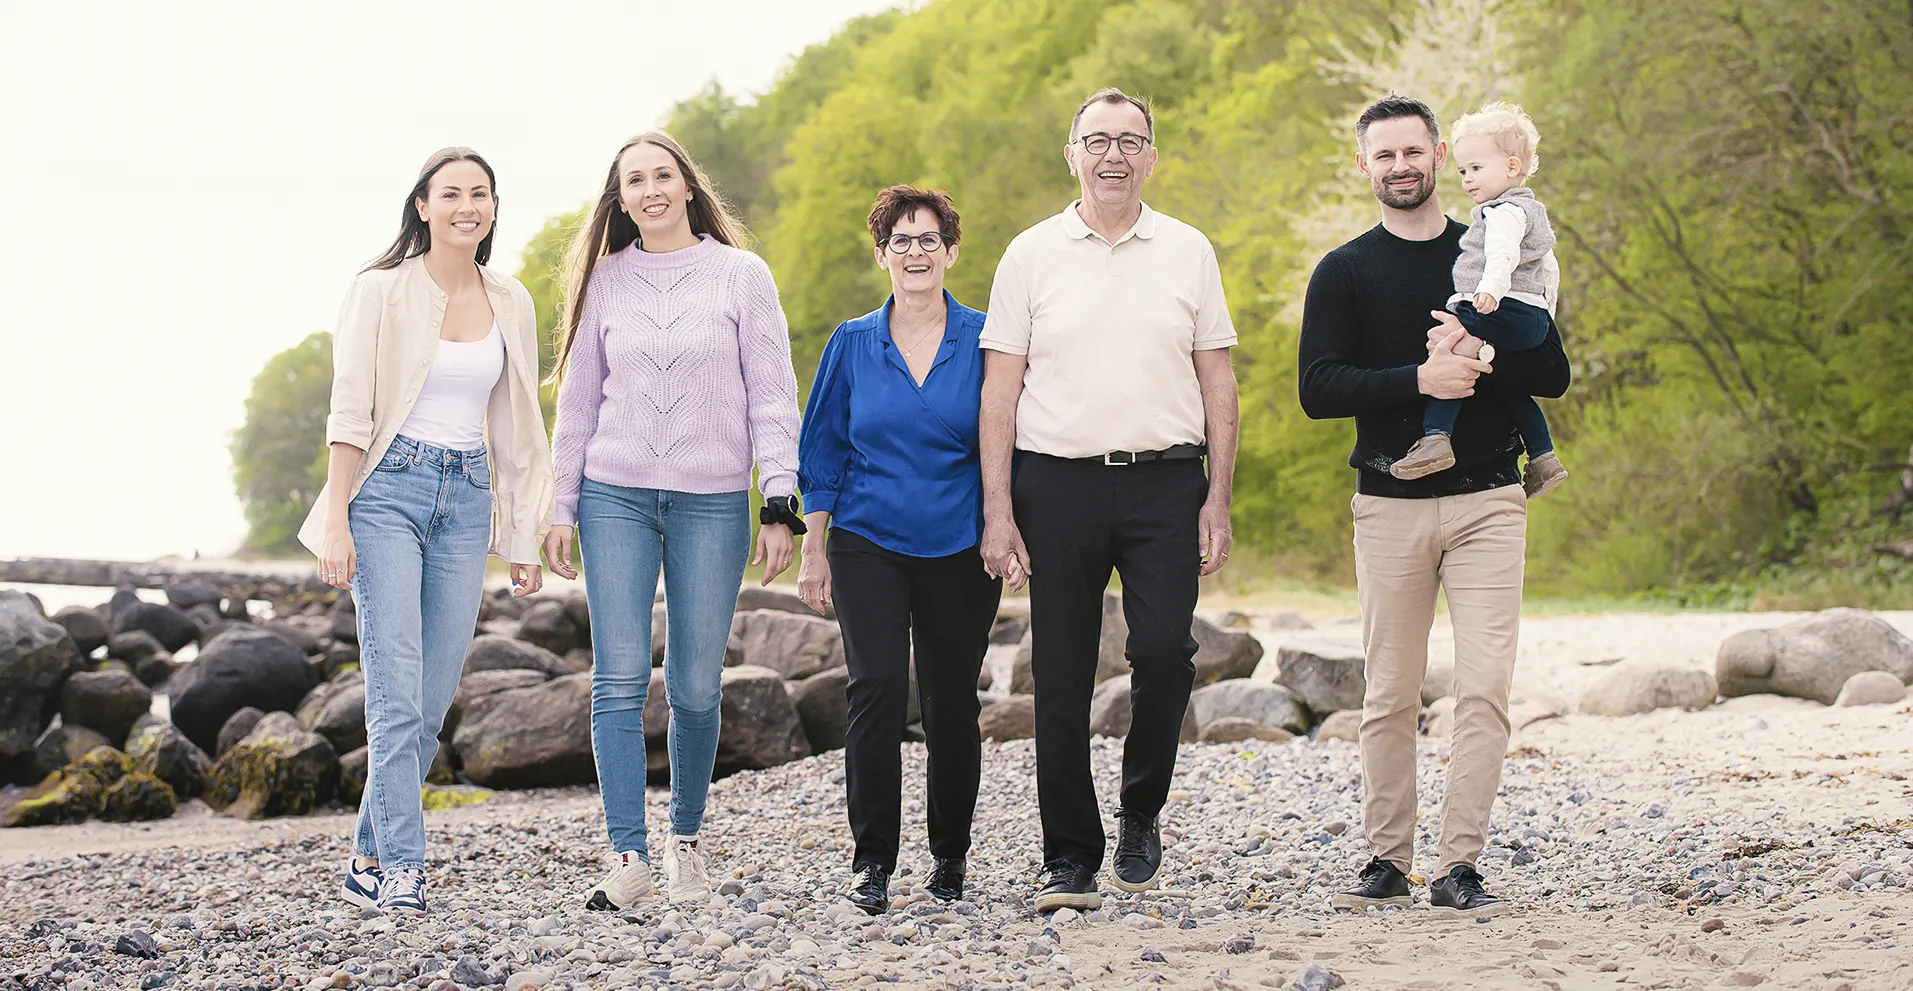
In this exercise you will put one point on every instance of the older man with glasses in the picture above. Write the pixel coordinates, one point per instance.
(1106, 384)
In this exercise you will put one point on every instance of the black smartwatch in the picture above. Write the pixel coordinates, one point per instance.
(782, 509)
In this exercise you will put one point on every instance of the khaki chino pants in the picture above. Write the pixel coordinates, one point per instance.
(1474, 546)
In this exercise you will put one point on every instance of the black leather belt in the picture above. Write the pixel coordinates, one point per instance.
(1177, 453)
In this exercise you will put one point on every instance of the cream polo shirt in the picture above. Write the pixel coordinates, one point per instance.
(1109, 330)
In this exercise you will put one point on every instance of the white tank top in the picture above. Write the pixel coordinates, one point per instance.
(450, 411)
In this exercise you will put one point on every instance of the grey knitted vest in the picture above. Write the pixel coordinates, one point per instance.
(1535, 246)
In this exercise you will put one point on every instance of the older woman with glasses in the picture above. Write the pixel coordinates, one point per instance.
(888, 461)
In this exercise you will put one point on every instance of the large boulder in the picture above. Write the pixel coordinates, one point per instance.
(537, 737)
(761, 727)
(168, 624)
(244, 666)
(1343, 725)
(156, 670)
(235, 728)
(792, 644)
(108, 701)
(306, 633)
(546, 624)
(1223, 654)
(495, 653)
(1325, 672)
(62, 745)
(37, 656)
(1812, 658)
(1022, 666)
(86, 626)
(1009, 630)
(343, 622)
(1111, 657)
(194, 593)
(158, 748)
(1012, 718)
(823, 703)
(1639, 686)
(278, 769)
(336, 711)
(102, 784)
(353, 768)
(134, 646)
(1112, 709)
(578, 608)
(1268, 705)
(473, 687)
(1237, 729)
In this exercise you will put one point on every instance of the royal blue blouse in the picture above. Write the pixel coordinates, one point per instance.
(891, 461)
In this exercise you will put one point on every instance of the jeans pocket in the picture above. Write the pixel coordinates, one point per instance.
(480, 472)
(393, 461)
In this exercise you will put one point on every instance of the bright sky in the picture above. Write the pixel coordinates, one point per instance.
(192, 187)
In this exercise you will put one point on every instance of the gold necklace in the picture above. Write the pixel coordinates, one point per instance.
(911, 351)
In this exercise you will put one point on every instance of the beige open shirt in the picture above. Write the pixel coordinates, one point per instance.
(384, 345)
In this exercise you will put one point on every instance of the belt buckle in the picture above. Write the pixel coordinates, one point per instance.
(1128, 458)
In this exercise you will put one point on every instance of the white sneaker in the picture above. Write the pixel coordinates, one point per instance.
(686, 873)
(402, 890)
(628, 884)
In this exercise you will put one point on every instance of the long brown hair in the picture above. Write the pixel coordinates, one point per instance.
(415, 235)
(611, 230)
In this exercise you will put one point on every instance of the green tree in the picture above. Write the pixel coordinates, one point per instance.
(279, 456)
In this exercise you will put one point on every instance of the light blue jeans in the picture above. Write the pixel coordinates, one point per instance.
(702, 543)
(420, 526)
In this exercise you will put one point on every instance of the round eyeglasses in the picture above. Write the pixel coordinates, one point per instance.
(900, 244)
(1128, 142)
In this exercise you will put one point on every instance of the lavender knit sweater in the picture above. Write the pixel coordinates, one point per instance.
(679, 378)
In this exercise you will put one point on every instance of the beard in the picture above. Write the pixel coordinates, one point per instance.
(1400, 200)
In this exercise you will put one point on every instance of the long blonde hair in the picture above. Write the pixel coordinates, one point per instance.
(611, 230)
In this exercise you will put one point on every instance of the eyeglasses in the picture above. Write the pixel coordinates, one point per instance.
(900, 244)
(1128, 142)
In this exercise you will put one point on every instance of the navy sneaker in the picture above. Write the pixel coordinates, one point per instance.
(361, 887)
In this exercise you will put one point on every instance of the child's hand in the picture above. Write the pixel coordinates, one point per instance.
(1485, 302)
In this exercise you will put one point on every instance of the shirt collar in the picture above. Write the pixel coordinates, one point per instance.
(1073, 225)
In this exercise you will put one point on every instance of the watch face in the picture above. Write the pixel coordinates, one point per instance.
(1487, 352)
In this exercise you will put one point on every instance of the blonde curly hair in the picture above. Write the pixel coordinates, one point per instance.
(1511, 128)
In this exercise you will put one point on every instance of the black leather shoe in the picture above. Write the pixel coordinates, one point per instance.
(1138, 852)
(1067, 884)
(1382, 883)
(870, 889)
(1460, 894)
(946, 879)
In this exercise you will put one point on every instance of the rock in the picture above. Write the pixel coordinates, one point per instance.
(1438, 682)
(343, 622)
(208, 620)
(352, 771)
(138, 797)
(761, 727)
(167, 623)
(444, 769)
(244, 666)
(470, 971)
(1316, 978)
(123, 598)
(1239, 944)
(578, 610)
(579, 659)
(1110, 657)
(546, 624)
(1022, 676)
(137, 944)
(473, 687)
(62, 745)
(37, 656)
(156, 670)
(657, 731)
(235, 729)
(1009, 630)
(793, 645)
(194, 593)
(1871, 688)
(280, 768)
(86, 626)
(823, 704)
(1111, 708)
(536, 737)
(1643, 686)
(1234, 619)
(339, 656)
(1812, 658)
(133, 646)
(1325, 672)
(1343, 725)
(1264, 704)
(104, 783)
(107, 701)
(1235, 729)
(337, 712)
(1223, 654)
(303, 632)
(158, 748)
(1438, 720)
(495, 653)
(754, 597)
(1013, 718)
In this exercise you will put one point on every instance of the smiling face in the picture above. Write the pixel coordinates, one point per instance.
(1400, 158)
(458, 207)
(1486, 170)
(917, 270)
(653, 190)
(1111, 179)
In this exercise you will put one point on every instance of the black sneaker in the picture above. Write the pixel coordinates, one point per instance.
(1381, 884)
(946, 879)
(1138, 852)
(1460, 894)
(1067, 884)
(870, 889)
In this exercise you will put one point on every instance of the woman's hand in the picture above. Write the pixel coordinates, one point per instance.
(557, 553)
(774, 544)
(340, 559)
(813, 579)
(526, 579)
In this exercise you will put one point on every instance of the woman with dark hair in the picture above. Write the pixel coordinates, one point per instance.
(890, 465)
(674, 379)
(438, 454)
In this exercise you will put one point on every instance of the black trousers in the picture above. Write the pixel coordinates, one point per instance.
(946, 605)
(1080, 519)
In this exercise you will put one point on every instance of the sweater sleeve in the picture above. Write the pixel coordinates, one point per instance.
(1331, 383)
(770, 383)
(579, 400)
(1538, 371)
(823, 449)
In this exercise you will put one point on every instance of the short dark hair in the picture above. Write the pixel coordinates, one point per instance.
(1110, 94)
(898, 202)
(1391, 107)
